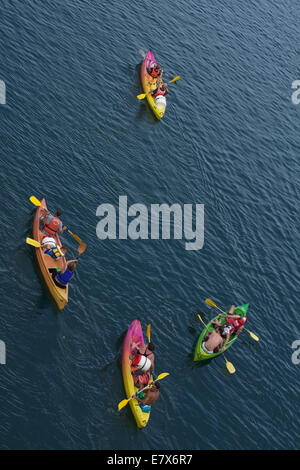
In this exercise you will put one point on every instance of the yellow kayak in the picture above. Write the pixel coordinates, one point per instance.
(158, 105)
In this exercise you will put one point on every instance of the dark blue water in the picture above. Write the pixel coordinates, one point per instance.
(73, 131)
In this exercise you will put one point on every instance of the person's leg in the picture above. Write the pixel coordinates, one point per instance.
(54, 273)
(145, 408)
(231, 310)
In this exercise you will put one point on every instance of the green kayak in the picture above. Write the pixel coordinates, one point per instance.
(200, 354)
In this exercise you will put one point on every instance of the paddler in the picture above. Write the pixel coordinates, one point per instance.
(142, 370)
(160, 90)
(155, 71)
(234, 324)
(146, 350)
(50, 248)
(62, 279)
(147, 397)
(212, 342)
(52, 223)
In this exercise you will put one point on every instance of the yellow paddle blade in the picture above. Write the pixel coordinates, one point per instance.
(148, 332)
(35, 201)
(230, 367)
(253, 336)
(32, 242)
(202, 320)
(76, 237)
(123, 403)
(162, 376)
(211, 303)
(142, 96)
(176, 78)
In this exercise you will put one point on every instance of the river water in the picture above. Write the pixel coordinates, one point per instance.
(73, 131)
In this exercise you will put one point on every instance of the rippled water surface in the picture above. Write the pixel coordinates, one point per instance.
(73, 131)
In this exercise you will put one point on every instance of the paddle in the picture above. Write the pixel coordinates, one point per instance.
(148, 332)
(124, 402)
(143, 95)
(35, 243)
(81, 249)
(36, 202)
(212, 304)
(32, 242)
(229, 365)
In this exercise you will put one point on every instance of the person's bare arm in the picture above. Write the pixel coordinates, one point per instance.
(226, 341)
(61, 231)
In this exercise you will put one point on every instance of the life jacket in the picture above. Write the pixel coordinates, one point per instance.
(54, 252)
(235, 323)
(53, 226)
(141, 362)
(65, 277)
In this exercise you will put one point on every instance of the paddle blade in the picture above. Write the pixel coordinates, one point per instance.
(32, 242)
(201, 320)
(76, 237)
(122, 404)
(162, 376)
(230, 367)
(142, 96)
(211, 303)
(174, 79)
(256, 338)
(35, 201)
(81, 248)
(148, 332)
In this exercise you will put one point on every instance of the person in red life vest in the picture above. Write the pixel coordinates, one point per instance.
(155, 71)
(234, 324)
(52, 223)
(62, 279)
(142, 370)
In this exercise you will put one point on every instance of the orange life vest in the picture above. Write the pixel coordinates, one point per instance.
(53, 226)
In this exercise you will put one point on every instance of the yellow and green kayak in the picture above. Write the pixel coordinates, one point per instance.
(200, 354)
